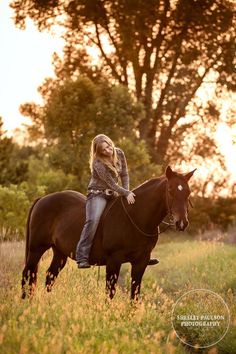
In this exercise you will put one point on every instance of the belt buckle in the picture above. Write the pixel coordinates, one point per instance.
(108, 192)
(95, 191)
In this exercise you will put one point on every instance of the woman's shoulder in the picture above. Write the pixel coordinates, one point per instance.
(119, 152)
(99, 166)
(98, 163)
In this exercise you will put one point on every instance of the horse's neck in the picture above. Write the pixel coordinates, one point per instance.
(150, 206)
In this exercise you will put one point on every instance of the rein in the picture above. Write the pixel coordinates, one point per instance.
(169, 214)
(109, 208)
(169, 224)
(135, 225)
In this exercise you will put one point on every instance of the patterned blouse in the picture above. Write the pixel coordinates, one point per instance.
(104, 178)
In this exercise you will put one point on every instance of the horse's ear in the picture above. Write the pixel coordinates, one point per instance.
(189, 175)
(169, 173)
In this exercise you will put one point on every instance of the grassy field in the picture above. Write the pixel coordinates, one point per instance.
(76, 317)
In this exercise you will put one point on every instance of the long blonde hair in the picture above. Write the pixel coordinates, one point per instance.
(95, 153)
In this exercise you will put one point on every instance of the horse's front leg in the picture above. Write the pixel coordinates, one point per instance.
(137, 272)
(112, 274)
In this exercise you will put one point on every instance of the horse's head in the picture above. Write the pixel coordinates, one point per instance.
(177, 197)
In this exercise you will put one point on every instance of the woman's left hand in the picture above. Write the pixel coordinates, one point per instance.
(130, 198)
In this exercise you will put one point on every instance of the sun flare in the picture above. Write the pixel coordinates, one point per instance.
(224, 137)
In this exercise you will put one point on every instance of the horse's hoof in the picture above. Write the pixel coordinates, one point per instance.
(49, 288)
(153, 261)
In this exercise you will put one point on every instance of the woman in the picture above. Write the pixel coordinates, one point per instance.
(107, 164)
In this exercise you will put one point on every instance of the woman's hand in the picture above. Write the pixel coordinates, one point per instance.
(130, 198)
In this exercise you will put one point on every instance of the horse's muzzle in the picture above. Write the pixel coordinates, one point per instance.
(181, 225)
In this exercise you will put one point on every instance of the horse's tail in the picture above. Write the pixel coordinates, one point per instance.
(27, 228)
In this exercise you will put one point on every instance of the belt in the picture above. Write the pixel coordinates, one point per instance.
(105, 191)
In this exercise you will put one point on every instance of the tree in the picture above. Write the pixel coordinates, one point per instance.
(163, 50)
(13, 160)
(14, 206)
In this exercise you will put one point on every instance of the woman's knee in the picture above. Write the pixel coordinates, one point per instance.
(92, 223)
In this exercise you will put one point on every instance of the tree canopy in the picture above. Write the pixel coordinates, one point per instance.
(164, 51)
(77, 110)
(13, 163)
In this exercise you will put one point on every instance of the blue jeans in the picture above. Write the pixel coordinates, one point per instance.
(95, 206)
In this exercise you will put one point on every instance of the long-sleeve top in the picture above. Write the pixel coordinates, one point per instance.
(104, 178)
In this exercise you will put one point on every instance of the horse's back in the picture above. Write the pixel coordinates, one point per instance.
(56, 204)
(57, 220)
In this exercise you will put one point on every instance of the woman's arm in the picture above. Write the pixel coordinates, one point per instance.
(124, 175)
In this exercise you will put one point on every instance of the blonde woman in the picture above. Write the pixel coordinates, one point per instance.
(107, 164)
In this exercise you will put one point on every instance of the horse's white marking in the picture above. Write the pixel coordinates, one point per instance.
(180, 188)
(182, 224)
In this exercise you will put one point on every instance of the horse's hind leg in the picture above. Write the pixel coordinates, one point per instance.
(29, 274)
(57, 264)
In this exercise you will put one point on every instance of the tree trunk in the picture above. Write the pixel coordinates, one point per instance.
(159, 148)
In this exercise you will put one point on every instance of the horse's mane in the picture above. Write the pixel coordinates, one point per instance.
(155, 182)
(146, 185)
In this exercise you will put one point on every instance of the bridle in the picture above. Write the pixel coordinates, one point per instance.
(169, 204)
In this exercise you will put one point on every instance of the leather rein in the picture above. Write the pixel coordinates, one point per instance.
(135, 225)
(169, 224)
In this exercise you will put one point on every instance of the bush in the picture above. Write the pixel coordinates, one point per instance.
(15, 200)
(209, 214)
(50, 179)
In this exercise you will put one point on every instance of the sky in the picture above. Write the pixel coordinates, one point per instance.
(25, 60)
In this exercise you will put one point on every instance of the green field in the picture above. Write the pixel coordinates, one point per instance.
(76, 317)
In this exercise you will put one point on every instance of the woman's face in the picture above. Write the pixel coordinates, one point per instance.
(106, 150)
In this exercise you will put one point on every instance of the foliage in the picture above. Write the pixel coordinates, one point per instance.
(50, 180)
(164, 51)
(76, 318)
(139, 162)
(15, 200)
(223, 212)
(212, 213)
(13, 163)
(14, 206)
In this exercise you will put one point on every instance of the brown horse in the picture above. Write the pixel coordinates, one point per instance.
(127, 233)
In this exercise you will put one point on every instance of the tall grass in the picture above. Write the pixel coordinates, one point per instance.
(76, 317)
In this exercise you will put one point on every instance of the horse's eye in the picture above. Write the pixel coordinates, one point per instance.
(180, 188)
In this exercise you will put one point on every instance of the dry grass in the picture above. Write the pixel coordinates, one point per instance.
(76, 317)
